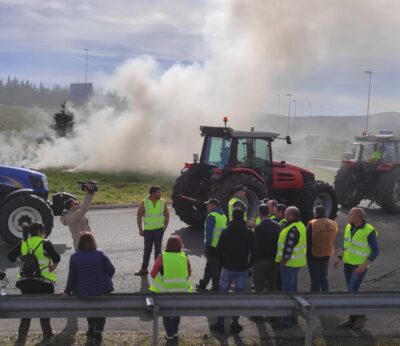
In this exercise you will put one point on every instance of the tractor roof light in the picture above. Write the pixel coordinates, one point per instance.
(225, 119)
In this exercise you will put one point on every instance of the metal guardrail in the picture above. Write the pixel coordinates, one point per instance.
(307, 305)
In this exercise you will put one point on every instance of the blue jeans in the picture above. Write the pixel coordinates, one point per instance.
(171, 325)
(289, 284)
(353, 279)
(239, 278)
(289, 278)
(353, 282)
(318, 268)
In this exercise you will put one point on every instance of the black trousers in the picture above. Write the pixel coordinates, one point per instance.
(152, 238)
(96, 324)
(212, 272)
(33, 286)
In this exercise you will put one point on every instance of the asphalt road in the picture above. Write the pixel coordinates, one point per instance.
(116, 233)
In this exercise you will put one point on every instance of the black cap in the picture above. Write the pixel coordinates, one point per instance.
(239, 188)
(213, 201)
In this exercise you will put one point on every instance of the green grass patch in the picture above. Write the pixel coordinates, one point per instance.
(114, 188)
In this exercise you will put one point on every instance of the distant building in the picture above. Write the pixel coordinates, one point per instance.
(80, 93)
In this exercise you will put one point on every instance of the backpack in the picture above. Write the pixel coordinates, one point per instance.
(30, 267)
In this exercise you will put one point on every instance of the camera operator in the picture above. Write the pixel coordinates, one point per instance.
(74, 214)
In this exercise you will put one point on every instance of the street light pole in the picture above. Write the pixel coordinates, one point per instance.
(294, 121)
(87, 53)
(288, 119)
(369, 95)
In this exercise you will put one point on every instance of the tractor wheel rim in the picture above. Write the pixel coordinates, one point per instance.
(19, 216)
(396, 193)
(325, 200)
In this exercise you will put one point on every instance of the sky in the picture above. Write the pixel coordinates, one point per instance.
(317, 50)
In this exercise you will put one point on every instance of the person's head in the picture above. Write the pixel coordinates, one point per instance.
(71, 204)
(272, 203)
(155, 192)
(237, 214)
(292, 214)
(319, 212)
(280, 211)
(212, 204)
(35, 229)
(240, 191)
(263, 211)
(174, 244)
(87, 242)
(356, 216)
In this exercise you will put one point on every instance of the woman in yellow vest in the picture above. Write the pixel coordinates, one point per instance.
(42, 282)
(170, 273)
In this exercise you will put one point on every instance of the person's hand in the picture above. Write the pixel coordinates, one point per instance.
(141, 232)
(251, 223)
(336, 263)
(361, 268)
(52, 267)
(64, 295)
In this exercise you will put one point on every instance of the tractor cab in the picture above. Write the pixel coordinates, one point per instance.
(374, 150)
(224, 148)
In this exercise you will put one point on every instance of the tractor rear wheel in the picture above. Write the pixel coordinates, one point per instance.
(256, 191)
(346, 190)
(388, 191)
(188, 212)
(317, 193)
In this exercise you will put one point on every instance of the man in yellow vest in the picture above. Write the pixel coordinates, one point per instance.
(238, 201)
(215, 223)
(272, 204)
(153, 214)
(291, 254)
(280, 214)
(360, 249)
(321, 235)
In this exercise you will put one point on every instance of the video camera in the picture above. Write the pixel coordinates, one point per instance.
(89, 186)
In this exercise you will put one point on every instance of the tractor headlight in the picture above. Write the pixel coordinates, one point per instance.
(45, 183)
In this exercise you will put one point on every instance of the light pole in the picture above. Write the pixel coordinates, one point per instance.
(369, 95)
(87, 53)
(294, 121)
(288, 119)
(309, 105)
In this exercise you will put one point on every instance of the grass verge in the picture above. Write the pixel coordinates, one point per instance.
(114, 188)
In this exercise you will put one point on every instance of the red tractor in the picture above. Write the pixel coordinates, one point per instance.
(371, 171)
(231, 158)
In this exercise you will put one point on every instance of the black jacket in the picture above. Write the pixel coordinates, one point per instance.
(266, 237)
(235, 248)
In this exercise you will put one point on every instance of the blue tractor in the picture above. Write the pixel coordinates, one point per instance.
(23, 199)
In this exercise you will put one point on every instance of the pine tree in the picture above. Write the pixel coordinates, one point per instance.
(63, 121)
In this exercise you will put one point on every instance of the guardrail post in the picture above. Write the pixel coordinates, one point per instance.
(153, 307)
(306, 310)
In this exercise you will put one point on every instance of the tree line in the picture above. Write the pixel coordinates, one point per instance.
(15, 92)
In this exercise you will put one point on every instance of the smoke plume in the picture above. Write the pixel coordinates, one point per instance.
(249, 47)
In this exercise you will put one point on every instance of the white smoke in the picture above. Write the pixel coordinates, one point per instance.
(249, 45)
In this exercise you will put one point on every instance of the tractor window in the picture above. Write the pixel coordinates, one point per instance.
(261, 150)
(244, 152)
(389, 153)
(217, 151)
